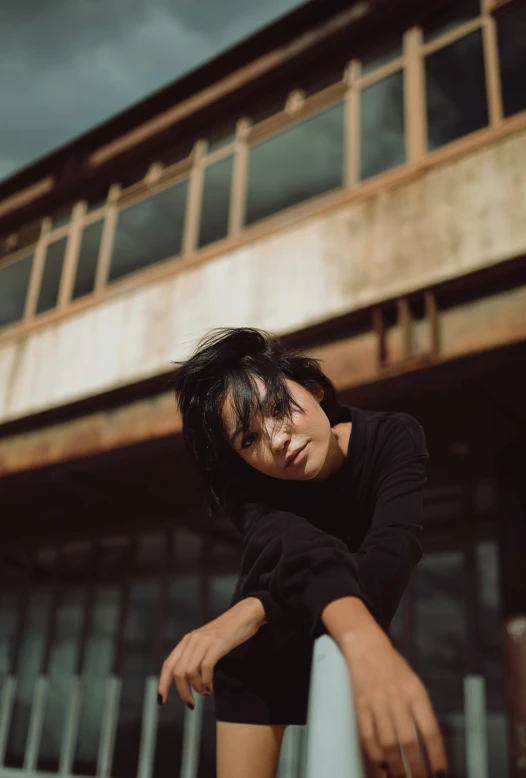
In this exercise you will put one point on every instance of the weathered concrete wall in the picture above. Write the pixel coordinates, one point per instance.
(453, 219)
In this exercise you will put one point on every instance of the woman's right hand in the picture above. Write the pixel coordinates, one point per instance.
(393, 708)
(191, 663)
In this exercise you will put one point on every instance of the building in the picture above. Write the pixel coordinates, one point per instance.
(351, 178)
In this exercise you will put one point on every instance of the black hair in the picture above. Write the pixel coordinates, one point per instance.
(229, 358)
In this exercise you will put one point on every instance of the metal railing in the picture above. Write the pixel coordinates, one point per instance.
(327, 745)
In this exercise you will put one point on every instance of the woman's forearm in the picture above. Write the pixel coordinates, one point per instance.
(348, 620)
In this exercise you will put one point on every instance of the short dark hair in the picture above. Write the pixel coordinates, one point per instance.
(228, 358)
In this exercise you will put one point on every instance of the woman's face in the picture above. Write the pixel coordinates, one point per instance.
(271, 441)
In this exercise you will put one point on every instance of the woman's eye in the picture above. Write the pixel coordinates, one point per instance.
(247, 440)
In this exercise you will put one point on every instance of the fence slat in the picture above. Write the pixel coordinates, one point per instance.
(69, 738)
(36, 723)
(6, 711)
(475, 726)
(148, 728)
(192, 739)
(109, 726)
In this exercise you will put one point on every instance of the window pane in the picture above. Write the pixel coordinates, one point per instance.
(445, 19)
(511, 29)
(50, 284)
(382, 125)
(216, 202)
(14, 281)
(149, 231)
(380, 54)
(455, 91)
(301, 162)
(87, 262)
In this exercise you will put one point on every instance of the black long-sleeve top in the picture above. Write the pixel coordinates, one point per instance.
(358, 532)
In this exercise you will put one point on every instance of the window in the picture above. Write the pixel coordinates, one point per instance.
(455, 91)
(301, 162)
(380, 54)
(14, 282)
(443, 20)
(216, 201)
(511, 30)
(382, 125)
(87, 261)
(149, 231)
(49, 288)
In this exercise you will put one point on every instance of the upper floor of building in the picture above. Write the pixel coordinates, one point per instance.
(341, 158)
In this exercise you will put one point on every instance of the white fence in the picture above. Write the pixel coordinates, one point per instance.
(328, 745)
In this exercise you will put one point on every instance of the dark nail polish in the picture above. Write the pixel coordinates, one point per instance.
(159, 699)
(208, 690)
(190, 706)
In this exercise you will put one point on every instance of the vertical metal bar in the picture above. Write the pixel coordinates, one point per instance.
(158, 635)
(37, 270)
(36, 722)
(107, 238)
(414, 95)
(352, 135)
(475, 726)
(432, 320)
(6, 711)
(71, 254)
(333, 746)
(150, 718)
(194, 198)
(87, 613)
(108, 730)
(125, 599)
(56, 593)
(22, 621)
(71, 729)
(236, 216)
(491, 63)
(193, 721)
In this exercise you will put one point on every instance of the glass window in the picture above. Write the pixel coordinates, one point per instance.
(100, 646)
(50, 284)
(87, 261)
(382, 125)
(380, 54)
(149, 231)
(216, 201)
(298, 163)
(511, 30)
(455, 91)
(443, 20)
(14, 282)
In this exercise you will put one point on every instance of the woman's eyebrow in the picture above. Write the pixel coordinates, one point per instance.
(240, 429)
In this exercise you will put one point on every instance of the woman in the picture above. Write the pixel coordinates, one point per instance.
(328, 501)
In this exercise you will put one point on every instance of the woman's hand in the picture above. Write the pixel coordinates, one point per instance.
(392, 705)
(191, 663)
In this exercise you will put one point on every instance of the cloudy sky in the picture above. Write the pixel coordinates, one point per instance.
(67, 65)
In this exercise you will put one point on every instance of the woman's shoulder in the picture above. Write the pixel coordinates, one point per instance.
(394, 431)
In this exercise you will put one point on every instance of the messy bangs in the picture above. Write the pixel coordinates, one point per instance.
(226, 364)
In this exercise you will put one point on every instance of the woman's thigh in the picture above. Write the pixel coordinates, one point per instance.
(248, 749)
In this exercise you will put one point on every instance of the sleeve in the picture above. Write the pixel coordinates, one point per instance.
(295, 569)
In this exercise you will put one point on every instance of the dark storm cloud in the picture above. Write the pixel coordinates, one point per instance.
(67, 65)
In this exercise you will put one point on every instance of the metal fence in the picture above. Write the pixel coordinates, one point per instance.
(327, 745)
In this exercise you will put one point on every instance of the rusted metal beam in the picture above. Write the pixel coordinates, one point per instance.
(466, 329)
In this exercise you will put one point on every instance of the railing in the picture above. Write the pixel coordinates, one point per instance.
(328, 745)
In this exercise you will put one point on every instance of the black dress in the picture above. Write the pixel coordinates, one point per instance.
(358, 533)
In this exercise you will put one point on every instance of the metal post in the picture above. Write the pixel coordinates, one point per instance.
(475, 726)
(109, 726)
(290, 754)
(6, 711)
(333, 746)
(69, 737)
(36, 723)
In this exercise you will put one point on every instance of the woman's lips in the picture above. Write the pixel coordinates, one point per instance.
(299, 457)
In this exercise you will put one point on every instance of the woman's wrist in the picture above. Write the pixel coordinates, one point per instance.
(350, 623)
(254, 610)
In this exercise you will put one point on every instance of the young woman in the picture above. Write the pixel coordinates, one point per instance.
(327, 499)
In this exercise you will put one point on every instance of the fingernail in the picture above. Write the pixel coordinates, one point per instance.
(207, 690)
(159, 699)
(190, 706)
